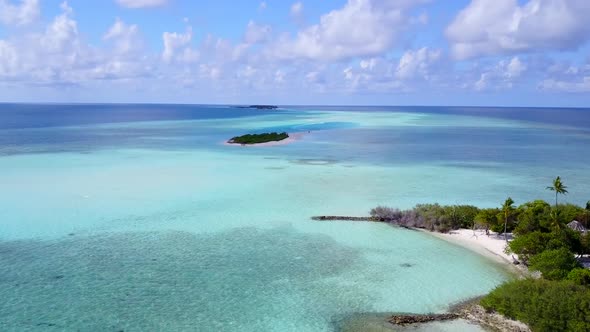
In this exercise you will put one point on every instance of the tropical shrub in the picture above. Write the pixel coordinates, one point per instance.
(383, 212)
(543, 305)
(461, 216)
(554, 264)
(569, 212)
(487, 219)
(528, 245)
(579, 276)
(533, 216)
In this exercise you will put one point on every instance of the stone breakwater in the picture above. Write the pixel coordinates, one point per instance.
(342, 218)
(470, 311)
(347, 218)
(404, 320)
(475, 313)
(362, 219)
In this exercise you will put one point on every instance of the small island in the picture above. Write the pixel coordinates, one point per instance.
(261, 107)
(258, 138)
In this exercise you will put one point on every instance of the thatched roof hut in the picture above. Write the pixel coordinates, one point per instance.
(576, 226)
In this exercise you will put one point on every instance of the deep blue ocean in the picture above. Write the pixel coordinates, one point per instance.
(562, 132)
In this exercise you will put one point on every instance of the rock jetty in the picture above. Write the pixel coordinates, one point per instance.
(404, 320)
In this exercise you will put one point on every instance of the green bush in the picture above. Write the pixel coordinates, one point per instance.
(462, 216)
(554, 264)
(529, 244)
(579, 276)
(585, 243)
(533, 216)
(565, 238)
(543, 305)
(569, 212)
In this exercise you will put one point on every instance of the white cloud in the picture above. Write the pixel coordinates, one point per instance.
(62, 33)
(58, 56)
(412, 70)
(262, 5)
(211, 72)
(25, 13)
(177, 47)
(296, 10)
(565, 77)
(347, 52)
(488, 27)
(501, 76)
(256, 33)
(418, 64)
(8, 59)
(514, 68)
(55, 55)
(125, 37)
(360, 28)
(279, 76)
(141, 3)
(579, 86)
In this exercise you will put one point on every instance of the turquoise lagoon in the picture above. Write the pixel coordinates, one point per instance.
(138, 217)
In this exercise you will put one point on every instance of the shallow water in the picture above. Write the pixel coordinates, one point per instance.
(149, 222)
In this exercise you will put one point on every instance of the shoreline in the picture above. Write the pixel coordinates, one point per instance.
(489, 246)
(292, 138)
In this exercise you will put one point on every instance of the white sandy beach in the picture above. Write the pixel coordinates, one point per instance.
(491, 246)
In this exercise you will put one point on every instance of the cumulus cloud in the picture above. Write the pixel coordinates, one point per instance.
(378, 74)
(418, 63)
(141, 3)
(356, 49)
(360, 28)
(579, 86)
(47, 57)
(62, 34)
(177, 47)
(58, 56)
(8, 60)
(124, 37)
(24, 13)
(297, 9)
(501, 76)
(489, 27)
(565, 77)
(256, 33)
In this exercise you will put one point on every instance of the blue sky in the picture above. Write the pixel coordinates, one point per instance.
(367, 52)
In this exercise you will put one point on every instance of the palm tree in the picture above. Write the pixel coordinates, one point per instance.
(559, 188)
(507, 209)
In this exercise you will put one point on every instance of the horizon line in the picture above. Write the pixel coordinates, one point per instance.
(278, 105)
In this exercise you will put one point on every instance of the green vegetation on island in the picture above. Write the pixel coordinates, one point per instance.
(258, 138)
(261, 107)
(550, 239)
(542, 304)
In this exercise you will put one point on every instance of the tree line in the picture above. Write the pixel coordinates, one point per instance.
(536, 225)
(557, 300)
